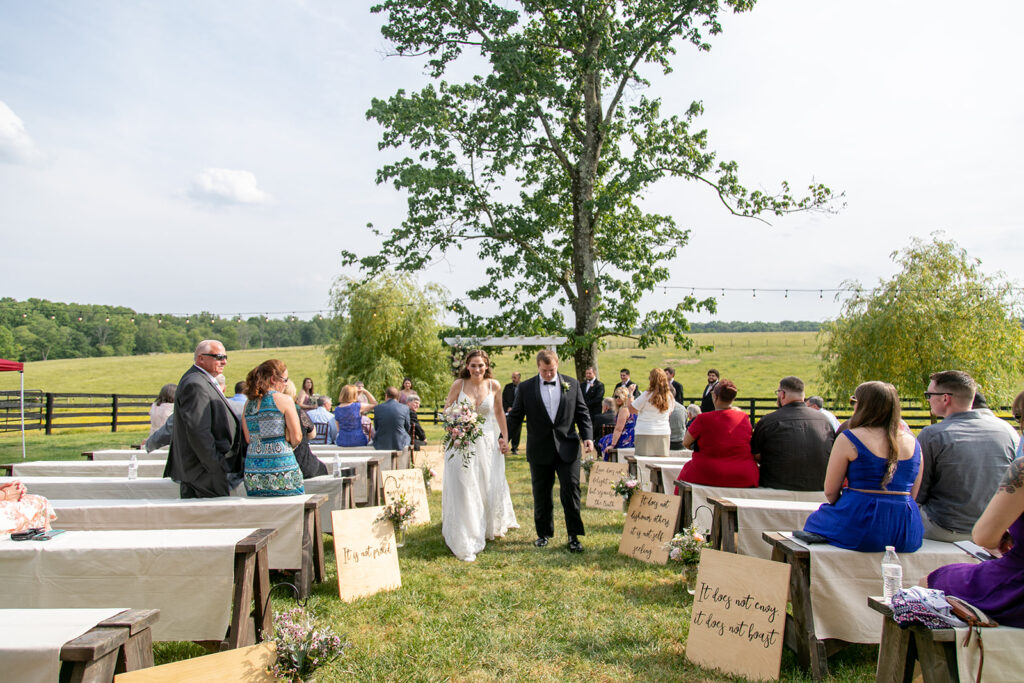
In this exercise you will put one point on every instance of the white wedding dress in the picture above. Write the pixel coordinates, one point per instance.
(476, 505)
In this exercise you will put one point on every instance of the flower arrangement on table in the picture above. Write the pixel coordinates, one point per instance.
(399, 511)
(462, 427)
(428, 476)
(303, 645)
(626, 486)
(685, 549)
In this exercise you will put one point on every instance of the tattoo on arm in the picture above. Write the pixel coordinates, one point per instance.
(1013, 480)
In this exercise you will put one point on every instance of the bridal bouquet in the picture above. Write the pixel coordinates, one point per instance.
(462, 427)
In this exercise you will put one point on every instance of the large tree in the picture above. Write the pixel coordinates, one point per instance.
(538, 163)
(940, 312)
(386, 329)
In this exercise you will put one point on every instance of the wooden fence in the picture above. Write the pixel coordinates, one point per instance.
(50, 411)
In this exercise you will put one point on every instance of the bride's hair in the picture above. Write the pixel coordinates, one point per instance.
(464, 374)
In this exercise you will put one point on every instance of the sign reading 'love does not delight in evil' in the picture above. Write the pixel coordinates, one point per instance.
(739, 615)
(603, 476)
(409, 482)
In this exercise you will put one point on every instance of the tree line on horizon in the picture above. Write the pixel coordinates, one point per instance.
(38, 329)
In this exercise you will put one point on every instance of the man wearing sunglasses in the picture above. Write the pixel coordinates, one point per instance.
(205, 445)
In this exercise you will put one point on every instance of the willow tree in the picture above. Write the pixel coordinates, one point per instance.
(940, 312)
(538, 162)
(386, 329)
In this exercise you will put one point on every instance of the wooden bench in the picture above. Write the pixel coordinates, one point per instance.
(725, 522)
(902, 647)
(119, 644)
(252, 587)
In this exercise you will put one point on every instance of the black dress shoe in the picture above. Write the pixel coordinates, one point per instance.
(541, 542)
(574, 545)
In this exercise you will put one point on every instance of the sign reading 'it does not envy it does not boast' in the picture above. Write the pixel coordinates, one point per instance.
(739, 615)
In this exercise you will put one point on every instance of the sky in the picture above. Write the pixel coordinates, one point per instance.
(189, 156)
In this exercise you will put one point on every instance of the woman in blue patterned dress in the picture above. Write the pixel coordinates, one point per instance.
(622, 437)
(271, 428)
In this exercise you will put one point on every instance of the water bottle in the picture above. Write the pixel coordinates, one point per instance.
(892, 574)
(133, 467)
(336, 466)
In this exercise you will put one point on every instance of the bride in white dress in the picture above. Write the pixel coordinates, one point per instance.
(475, 502)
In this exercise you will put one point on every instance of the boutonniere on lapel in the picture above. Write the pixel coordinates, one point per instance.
(565, 387)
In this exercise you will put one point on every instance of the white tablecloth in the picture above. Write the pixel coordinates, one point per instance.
(842, 580)
(187, 574)
(125, 454)
(1004, 655)
(31, 639)
(701, 493)
(93, 488)
(88, 468)
(283, 513)
(754, 516)
(644, 474)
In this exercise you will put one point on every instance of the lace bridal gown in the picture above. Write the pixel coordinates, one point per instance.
(475, 502)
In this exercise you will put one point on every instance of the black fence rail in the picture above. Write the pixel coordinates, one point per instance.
(49, 411)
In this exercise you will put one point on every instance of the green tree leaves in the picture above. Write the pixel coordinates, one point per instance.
(939, 313)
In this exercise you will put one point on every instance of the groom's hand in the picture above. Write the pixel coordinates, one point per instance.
(588, 445)
(502, 444)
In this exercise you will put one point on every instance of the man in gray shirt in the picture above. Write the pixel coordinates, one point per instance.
(962, 459)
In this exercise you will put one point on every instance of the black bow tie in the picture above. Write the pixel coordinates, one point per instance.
(552, 383)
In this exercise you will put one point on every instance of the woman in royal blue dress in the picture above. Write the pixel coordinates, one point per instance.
(622, 436)
(882, 464)
(349, 415)
(271, 428)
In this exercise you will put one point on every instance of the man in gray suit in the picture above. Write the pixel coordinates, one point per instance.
(205, 443)
(392, 423)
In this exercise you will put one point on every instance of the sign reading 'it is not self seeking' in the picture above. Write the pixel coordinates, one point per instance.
(739, 615)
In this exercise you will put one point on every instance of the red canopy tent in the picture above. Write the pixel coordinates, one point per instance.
(12, 366)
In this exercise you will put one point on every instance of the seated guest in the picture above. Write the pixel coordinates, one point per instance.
(239, 396)
(723, 436)
(391, 423)
(963, 458)
(605, 418)
(348, 415)
(162, 436)
(162, 407)
(310, 465)
(677, 427)
(419, 437)
(236, 407)
(792, 444)
(692, 411)
(622, 435)
(271, 429)
(322, 414)
(980, 405)
(996, 587)
(307, 397)
(20, 511)
(818, 403)
(882, 466)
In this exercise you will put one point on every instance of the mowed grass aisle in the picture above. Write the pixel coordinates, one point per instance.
(523, 613)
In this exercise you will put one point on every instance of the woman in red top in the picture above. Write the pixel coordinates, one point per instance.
(723, 435)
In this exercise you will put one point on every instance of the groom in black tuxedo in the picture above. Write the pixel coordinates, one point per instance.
(552, 404)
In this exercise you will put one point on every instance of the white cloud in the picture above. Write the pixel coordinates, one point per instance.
(16, 146)
(227, 186)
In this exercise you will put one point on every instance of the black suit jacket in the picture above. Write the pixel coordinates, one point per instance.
(508, 396)
(593, 397)
(206, 441)
(707, 403)
(547, 441)
(677, 389)
(636, 389)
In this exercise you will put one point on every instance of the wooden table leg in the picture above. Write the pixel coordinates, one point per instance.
(319, 570)
(303, 577)
(893, 653)
(655, 475)
(239, 634)
(92, 657)
(252, 585)
(348, 501)
(263, 610)
(373, 483)
(938, 659)
(137, 653)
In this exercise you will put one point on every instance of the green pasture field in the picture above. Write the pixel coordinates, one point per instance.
(754, 360)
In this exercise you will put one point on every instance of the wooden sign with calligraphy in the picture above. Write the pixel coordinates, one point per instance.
(434, 458)
(409, 482)
(364, 546)
(603, 476)
(739, 615)
(650, 524)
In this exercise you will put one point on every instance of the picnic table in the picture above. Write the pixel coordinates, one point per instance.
(829, 587)
(71, 468)
(45, 645)
(649, 468)
(226, 577)
(337, 489)
(737, 523)
(695, 497)
(298, 546)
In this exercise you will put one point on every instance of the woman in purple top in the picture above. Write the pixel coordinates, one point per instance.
(996, 587)
(349, 416)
